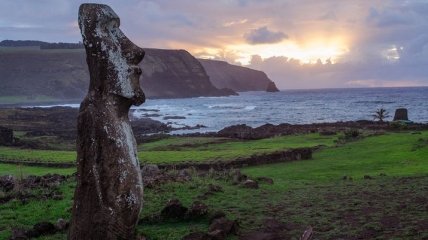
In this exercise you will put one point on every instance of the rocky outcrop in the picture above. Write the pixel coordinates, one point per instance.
(176, 73)
(6, 136)
(237, 78)
(272, 87)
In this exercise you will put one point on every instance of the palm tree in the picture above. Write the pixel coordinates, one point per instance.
(380, 114)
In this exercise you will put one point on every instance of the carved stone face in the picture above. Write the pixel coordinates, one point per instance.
(114, 58)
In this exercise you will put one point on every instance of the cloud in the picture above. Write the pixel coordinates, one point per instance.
(388, 17)
(370, 31)
(264, 35)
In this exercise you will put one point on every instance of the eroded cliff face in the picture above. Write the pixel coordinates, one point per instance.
(176, 73)
(32, 72)
(237, 78)
(63, 74)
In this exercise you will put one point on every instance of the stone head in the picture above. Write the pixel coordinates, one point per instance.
(112, 58)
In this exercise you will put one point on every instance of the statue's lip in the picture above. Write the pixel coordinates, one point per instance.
(135, 69)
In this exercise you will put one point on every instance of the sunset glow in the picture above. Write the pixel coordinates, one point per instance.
(306, 53)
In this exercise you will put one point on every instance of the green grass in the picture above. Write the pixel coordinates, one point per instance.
(309, 192)
(21, 170)
(37, 155)
(228, 150)
(395, 154)
(184, 149)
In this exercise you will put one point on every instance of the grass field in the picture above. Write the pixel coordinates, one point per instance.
(176, 149)
(384, 195)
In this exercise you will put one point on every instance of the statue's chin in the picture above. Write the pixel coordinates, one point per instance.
(138, 100)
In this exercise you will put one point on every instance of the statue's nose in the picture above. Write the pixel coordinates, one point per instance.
(133, 53)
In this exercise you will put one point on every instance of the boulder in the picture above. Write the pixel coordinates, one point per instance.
(197, 236)
(174, 210)
(6, 136)
(250, 184)
(225, 225)
(149, 170)
(198, 209)
(19, 234)
(401, 114)
(7, 183)
(41, 228)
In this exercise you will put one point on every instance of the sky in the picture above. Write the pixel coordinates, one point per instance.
(299, 44)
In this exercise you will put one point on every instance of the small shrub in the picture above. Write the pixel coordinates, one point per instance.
(380, 114)
(400, 125)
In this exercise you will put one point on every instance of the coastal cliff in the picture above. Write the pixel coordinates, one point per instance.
(36, 74)
(176, 73)
(237, 78)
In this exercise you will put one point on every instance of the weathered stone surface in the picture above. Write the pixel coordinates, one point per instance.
(197, 236)
(250, 184)
(225, 225)
(6, 136)
(174, 210)
(109, 190)
(198, 209)
(150, 170)
(7, 183)
(401, 114)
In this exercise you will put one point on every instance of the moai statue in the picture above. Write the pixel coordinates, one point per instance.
(109, 190)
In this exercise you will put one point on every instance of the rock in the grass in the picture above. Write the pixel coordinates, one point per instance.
(265, 180)
(6, 136)
(368, 177)
(216, 215)
(250, 184)
(174, 209)
(19, 234)
(149, 170)
(7, 183)
(197, 236)
(237, 176)
(41, 228)
(198, 209)
(61, 224)
(225, 225)
(185, 174)
(217, 235)
(401, 114)
(214, 188)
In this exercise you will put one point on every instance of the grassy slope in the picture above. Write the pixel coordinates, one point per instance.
(309, 192)
(185, 149)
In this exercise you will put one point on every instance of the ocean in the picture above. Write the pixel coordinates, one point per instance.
(289, 106)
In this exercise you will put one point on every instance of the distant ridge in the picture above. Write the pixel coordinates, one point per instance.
(237, 78)
(29, 72)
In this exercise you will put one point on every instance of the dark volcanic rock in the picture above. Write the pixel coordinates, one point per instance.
(250, 184)
(237, 78)
(7, 183)
(109, 189)
(6, 136)
(401, 114)
(198, 209)
(225, 225)
(174, 209)
(197, 236)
